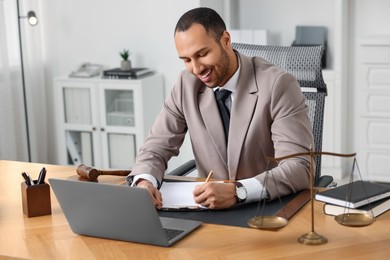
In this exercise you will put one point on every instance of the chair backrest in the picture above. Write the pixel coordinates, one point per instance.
(304, 62)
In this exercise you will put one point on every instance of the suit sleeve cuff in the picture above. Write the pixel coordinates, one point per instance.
(255, 190)
(132, 180)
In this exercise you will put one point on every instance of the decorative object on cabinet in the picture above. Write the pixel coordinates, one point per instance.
(87, 70)
(103, 122)
(126, 63)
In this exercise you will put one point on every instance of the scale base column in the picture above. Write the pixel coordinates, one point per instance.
(312, 238)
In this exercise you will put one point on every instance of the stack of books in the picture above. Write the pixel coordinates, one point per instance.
(133, 73)
(356, 197)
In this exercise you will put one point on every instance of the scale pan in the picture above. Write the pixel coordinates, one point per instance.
(267, 222)
(355, 219)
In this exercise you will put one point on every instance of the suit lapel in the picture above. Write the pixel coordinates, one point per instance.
(245, 100)
(210, 114)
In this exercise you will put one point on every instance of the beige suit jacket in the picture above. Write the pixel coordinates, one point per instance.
(269, 118)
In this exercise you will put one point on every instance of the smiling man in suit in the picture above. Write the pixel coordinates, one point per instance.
(268, 118)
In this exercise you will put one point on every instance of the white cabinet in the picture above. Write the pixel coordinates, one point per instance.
(373, 108)
(103, 122)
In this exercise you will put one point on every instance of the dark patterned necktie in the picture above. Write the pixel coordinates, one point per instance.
(221, 95)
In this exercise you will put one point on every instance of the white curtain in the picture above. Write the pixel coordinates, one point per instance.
(13, 130)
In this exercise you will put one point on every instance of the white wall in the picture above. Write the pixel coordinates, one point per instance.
(77, 31)
(276, 16)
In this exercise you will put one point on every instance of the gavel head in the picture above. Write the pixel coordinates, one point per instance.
(88, 172)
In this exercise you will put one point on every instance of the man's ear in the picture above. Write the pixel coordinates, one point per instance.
(225, 39)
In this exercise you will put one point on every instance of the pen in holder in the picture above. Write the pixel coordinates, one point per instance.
(36, 199)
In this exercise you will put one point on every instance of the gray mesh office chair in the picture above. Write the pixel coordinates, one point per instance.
(304, 62)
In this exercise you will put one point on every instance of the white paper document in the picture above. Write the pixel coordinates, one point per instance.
(179, 194)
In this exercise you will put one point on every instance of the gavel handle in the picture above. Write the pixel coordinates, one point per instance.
(115, 172)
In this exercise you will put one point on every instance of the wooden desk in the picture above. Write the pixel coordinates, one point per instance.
(49, 237)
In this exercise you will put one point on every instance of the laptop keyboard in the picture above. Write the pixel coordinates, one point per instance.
(171, 233)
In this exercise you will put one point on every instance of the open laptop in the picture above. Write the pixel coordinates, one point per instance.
(117, 212)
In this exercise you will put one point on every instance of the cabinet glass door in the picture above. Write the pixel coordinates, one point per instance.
(119, 106)
(121, 150)
(77, 105)
(79, 147)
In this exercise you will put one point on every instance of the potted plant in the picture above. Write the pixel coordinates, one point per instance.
(126, 63)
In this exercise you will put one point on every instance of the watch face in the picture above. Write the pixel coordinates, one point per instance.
(241, 193)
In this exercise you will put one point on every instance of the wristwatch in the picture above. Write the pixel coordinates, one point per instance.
(241, 193)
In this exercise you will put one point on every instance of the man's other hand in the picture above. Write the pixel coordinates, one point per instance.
(153, 191)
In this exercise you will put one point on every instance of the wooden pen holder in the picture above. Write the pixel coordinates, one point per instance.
(36, 199)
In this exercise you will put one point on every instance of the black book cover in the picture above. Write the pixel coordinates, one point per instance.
(355, 194)
(132, 73)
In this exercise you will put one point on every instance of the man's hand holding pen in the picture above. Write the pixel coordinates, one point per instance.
(215, 195)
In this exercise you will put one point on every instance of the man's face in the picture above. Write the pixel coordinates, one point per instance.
(203, 56)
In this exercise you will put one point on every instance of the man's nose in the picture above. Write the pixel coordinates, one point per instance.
(197, 67)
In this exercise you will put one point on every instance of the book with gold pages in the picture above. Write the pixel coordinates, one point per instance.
(354, 194)
(375, 208)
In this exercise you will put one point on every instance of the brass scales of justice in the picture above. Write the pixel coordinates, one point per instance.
(313, 238)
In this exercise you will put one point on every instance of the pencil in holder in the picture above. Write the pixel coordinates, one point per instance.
(36, 199)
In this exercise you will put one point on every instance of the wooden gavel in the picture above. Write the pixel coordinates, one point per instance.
(92, 174)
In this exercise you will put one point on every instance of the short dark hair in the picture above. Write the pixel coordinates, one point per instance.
(207, 17)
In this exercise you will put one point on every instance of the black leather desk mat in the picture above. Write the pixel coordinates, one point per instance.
(236, 216)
